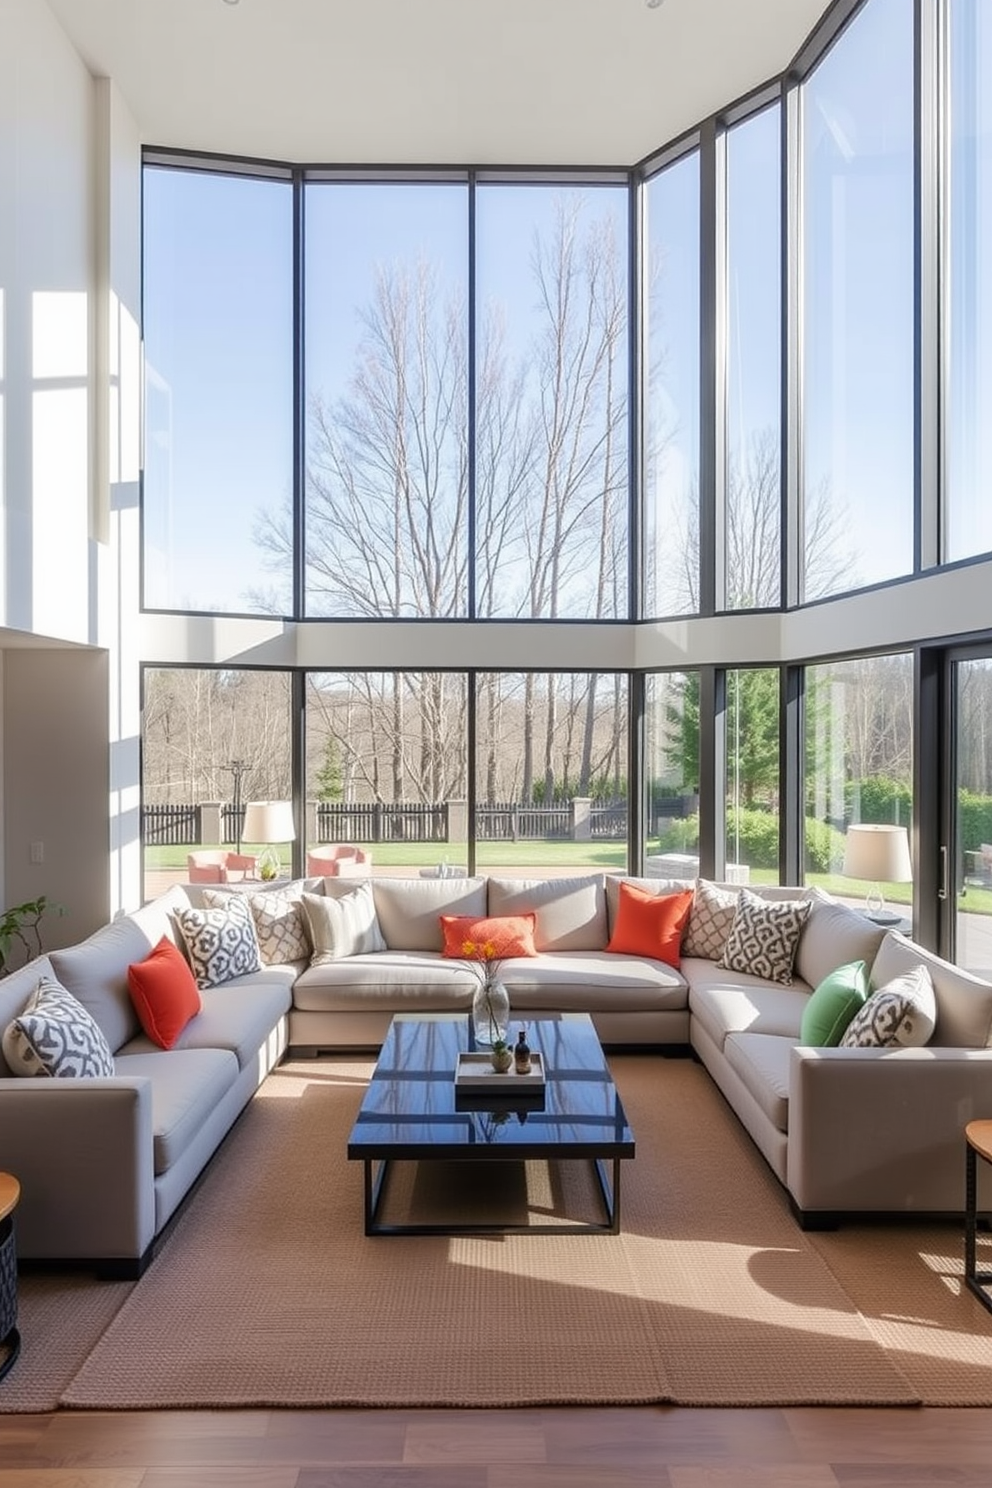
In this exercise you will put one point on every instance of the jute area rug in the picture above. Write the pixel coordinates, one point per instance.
(267, 1292)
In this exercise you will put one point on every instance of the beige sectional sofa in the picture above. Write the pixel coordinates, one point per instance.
(103, 1163)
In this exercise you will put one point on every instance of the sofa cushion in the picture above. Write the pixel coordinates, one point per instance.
(903, 1012)
(187, 1086)
(764, 936)
(832, 1006)
(231, 1020)
(408, 909)
(344, 926)
(734, 1002)
(649, 924)
(761, 1061)
(95, 970)
(571, 912)
(164, 992)
(592, 981)
(54, 1036)
(388, 981)
(710, 920)
(834, 934)
(964, 1002)
(488, 937)
(221, 942)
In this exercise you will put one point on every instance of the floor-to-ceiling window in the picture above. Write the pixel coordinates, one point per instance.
(218, 335)
(754, 356)
(552, 364)
(752, 758)
(387, 769)
(968, 363)
(386, 404)
(671, 774)
(858, 239)
(859, 771)
(213, 741)
(670, 375)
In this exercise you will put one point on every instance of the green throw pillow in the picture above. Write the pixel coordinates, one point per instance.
(832, 1006)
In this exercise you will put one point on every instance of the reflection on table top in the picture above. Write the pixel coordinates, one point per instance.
(413, 1109)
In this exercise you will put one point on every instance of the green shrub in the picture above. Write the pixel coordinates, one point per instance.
(974, 820)
(824, 846)
(752, 838)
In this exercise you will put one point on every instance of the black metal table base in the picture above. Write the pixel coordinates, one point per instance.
(976, 1281)
(376, 1174)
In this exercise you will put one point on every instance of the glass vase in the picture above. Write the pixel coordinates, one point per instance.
(490, 1012)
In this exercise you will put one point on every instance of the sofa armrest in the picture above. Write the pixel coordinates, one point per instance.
(82, 1152)
(883, 1129)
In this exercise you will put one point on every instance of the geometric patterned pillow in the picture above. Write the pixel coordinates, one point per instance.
(764, 936)
(55, 1035)
(221, 942)
(903, 1012)
(280, 925)
(710, 920)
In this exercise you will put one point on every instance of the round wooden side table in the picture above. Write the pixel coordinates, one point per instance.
(978, 1144)
(10, 1339)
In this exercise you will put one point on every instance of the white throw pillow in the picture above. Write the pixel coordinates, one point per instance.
(346, 926)
(902, 1012)
(55, 1035)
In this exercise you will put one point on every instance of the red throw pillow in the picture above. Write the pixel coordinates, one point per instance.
(650, 924)
(469, 936)
(164, 992)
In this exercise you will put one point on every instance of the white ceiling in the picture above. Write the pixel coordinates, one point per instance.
(469, 82)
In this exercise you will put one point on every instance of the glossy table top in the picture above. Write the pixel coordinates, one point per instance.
(413, 1110)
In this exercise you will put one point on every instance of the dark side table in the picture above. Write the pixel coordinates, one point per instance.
(10, 1339)
(978, 1144)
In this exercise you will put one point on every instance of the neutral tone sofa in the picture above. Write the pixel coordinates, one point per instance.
(104, 1163)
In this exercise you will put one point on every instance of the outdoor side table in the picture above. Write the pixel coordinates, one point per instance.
(978, 1144)
(10, 1339)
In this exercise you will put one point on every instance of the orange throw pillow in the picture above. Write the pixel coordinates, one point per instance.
(164, 992)
(488, 938)
(650, 924)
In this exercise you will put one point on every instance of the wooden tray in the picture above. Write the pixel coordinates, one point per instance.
(474, 1071)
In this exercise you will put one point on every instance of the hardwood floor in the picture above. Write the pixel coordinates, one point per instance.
(663, 1447)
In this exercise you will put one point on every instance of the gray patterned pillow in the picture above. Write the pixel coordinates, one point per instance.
(710, 920)
(347, 926)
(279, 922)
(55, 1035)
(902, 1012)
(221, 942)
(764, 936)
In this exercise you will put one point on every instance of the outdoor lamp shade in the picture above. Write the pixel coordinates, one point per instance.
(879, 854)
(269, 821)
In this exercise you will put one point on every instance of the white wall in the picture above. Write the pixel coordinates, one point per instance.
(69, 458)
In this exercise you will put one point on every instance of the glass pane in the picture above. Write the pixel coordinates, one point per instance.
(218, 335)
(754, 354)
(551, 773)
(551, 402)
(671, 399)
(858, 236)
(386, 773)
(859, 769)
(973, 929)
(212, 741)
(752, 720)
(387, 391)
(968, 525)
(671, 774)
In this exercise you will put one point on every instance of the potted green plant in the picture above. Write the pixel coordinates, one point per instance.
(21, 926)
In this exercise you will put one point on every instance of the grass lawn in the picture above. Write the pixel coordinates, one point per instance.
(602, 856)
